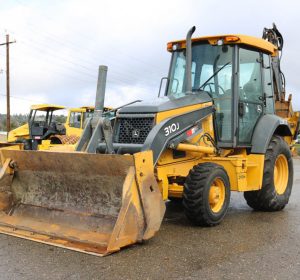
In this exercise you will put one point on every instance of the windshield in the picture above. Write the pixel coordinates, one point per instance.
(211, 72)
(46, 117)
(211, 69)
(87, 115)
(40, 116)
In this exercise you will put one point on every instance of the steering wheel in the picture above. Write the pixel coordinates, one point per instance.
(210, 88)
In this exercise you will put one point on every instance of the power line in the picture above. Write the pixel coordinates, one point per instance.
(71, 44)
(27, 61)
(113, 78)
(20, 98)
(85, 70)
(126, 73)
(77, 75)
(129, 76)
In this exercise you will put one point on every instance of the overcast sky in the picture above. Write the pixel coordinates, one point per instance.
(61, 43)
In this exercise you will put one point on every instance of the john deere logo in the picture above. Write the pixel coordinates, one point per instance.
(135, 133)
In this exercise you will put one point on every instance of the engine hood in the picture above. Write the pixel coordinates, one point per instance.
(166, 103)
(19, 132)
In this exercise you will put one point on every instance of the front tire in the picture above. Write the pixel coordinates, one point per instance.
(206, 194)
(277, 178)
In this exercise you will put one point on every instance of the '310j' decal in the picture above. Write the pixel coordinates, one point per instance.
(171, 128)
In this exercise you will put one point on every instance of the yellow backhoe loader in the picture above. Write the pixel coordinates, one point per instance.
(223, 124)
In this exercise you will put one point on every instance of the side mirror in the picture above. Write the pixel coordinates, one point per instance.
(161, 85)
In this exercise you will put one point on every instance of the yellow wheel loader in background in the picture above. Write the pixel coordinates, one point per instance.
(222, 125)
(77, 117)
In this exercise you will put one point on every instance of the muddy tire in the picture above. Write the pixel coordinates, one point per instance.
(206, 194)
(277, 178)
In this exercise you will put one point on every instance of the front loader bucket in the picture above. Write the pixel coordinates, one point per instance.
(91, 203)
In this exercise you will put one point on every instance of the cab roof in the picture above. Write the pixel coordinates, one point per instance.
(250, 41)
(89, 108)
(46, 107)
(82, 109)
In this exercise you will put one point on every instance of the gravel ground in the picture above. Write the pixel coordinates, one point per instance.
(247, 245)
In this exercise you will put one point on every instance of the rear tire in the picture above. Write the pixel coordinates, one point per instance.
(206, 194)
(277, 178)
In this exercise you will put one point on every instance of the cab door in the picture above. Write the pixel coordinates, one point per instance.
(73, 125)
(251, 96)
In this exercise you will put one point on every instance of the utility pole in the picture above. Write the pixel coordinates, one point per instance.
(7, 43)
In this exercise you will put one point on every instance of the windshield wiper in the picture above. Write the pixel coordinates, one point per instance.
(213, 75)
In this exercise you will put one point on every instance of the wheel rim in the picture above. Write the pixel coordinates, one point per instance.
(216, 195)
(281, 174)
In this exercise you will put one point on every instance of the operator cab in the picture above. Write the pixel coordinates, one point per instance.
(237, 76)
(79, 116)
(43, 124)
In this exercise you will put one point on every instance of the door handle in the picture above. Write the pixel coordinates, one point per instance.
(241, 109)
(259, 109)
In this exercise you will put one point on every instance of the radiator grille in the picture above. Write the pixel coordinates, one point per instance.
(134, 130)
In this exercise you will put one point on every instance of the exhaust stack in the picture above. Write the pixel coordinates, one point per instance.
(93, 130)
(188, 65)
(101, 85)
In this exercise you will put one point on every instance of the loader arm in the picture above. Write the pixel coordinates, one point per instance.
(273, 36)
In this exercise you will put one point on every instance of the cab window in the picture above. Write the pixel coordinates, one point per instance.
(268, 87)
(75, 119)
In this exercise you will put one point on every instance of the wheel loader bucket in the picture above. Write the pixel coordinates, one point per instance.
(91, 203)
